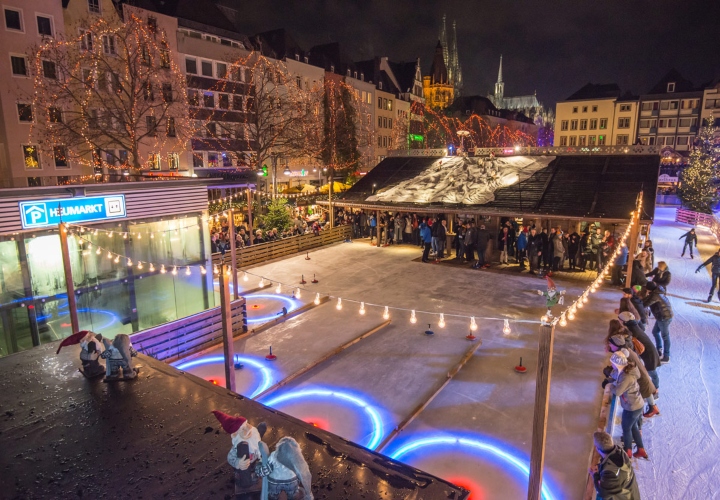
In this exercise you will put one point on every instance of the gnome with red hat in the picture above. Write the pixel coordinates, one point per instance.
(91, 348)
(245, 450)
(552, 295)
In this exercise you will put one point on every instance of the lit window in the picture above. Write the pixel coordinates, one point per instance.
(55, 115)
(171, 132)
(173, 161)
(30, 155)
(154, 161)
(151, 124)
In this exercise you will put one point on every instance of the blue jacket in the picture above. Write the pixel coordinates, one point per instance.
(373, 222)
(425, 233)
(522, 241)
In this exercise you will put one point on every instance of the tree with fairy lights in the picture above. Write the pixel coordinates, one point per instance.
(113, 95)
(698, 183)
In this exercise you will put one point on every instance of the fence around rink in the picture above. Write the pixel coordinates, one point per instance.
(262, 252)
(710, 221)
(606, 422)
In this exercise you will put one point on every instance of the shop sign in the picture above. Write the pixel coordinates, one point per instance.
(667, 178)
(46, 213)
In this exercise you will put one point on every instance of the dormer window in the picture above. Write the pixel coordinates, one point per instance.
(362, 76)
(332, 68)
(671, 87)
(380, 85)
(297, 57)
(305, 59)
(348, 72)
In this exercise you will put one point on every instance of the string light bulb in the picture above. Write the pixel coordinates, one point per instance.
(262, 283)
(246, 277)
(187, 270)
(297, 293)
(215, 269)
(544, 318)
(386, 313)
(174, 271)
(506, 327)
(140, 266)
(473, 324)
(317, 299)
(203, 270)
(563, 321)
(362, 308)
(278, 289)
(124, 236)
(152, 236)
(109, 254)
(152, 268)
(441, 323)
(110, 234)
(117, 259)
(129, 263)
(571, 315)
(98, 251)
(413, 319)
(162, 269)
(139, 236)
(339, 304)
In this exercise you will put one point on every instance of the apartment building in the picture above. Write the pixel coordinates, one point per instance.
(670, 113)
(711, 105)
(596, 115)
(25, 24)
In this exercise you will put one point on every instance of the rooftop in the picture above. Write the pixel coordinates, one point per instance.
(596, 91)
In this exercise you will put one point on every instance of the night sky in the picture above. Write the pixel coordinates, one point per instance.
(554, 47)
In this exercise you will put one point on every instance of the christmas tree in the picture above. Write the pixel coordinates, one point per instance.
(698, 189)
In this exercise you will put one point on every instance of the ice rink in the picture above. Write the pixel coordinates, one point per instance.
(477, 431)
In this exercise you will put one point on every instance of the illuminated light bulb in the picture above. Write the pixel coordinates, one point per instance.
(246, 277)
(152, 268)
(187, 270)
(339, 304)
(544, 318)
(571, 315)
(110, 234)
(386, 313)
(473, 325)
(580, 304)
(278, 289)
(317, 299)
(162, 269)
(96, 232)
(117, 259)
(585, 299)
(506, 327)
(89, 246)
(152, 236)
(124, 236)
(228, 271)
(362, 308)
(215, 269)
(129, 262)
(441, 323)
(109, 255)
(203, 270)
(563, 321)
(98, 251)
(297, 294)
(174, 271)
(139, 236)
(262, 283)
(413, 319)
(140, 266)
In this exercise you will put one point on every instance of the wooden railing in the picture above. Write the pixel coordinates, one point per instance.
(263, 252)
(606, 423)
(180, 338)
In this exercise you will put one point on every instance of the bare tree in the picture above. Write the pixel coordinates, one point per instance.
(114, 90)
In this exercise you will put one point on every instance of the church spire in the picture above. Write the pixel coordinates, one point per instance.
(455, 70)
(443, 41)
(500, 71)
(499, 88)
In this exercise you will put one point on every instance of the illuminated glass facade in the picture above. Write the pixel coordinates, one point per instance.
(112, 297)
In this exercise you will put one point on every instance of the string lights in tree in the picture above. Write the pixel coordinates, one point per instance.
(112, 96)
(697, 188)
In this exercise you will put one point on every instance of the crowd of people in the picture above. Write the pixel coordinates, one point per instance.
(220, 235)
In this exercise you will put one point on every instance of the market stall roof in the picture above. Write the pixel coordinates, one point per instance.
(338, 187)
(597, 187)
(64, 436)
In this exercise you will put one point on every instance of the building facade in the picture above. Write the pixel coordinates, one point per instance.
(438, 90)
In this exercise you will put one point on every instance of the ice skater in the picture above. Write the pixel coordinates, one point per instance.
(715, 278)
(690, 239)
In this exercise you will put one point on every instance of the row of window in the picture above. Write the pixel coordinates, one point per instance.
(593, 122)
(214, 159)
(113, 158)
(213, 38)
(712, 103)
(14, 22)
(385, 104)
(222, 130)
(20, 67)
(671, 140)
(208, 99)
(384, 122)
(590, 140)
(384, 141)
(218, 70)
(669, 122)
(584, 109)
(670, 105)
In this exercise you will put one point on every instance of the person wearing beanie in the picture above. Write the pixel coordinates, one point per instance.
(714, 260)
(627, 390)
(613, 476)
(662, 311)
(245, 449)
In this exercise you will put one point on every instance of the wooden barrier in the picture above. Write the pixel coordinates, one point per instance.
(264, 252)
(606, 423)
(177, 339)
(697, 219)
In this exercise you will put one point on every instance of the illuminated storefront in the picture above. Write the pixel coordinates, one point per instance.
(159, 222)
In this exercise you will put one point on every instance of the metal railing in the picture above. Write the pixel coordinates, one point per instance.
(537, 151)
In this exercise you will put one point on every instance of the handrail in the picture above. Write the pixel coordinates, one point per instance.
(710, 221)
(606, 422)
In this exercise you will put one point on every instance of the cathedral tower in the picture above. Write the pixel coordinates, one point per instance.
(499, 87)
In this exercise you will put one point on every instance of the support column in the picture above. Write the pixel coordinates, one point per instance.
(69, 284)
(250, 218)
(377, 226)
(233, 253)
(542, 404)
(28, 291)
(226, 313)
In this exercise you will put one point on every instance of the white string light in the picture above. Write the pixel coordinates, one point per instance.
(413, 319)
(174, 271)
(339, 304)
(473, 325)
(441, 323)
(506, 327)
(187, 271)
(278, 289)
(362, 308)
(386, 314)
(317, 299)
(297, 293)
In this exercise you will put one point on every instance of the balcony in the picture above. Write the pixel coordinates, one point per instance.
(689, 111)
(668, 112)
(649, 112)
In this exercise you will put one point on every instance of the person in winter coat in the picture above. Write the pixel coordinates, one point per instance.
(622, 341)
(662, 311)
(470, 241)
(483, 238)
(649, 356)
(635, 300)
(660, 275)
(426, 237)
(690, 239)
(624, 385)
(647, 246)
(505, 244)
(644, 258)
(372, 224)
(459, 241)
(573, 249)
(534, 250)
(614, 477)
(638, 274)
(595, 242)
(407, 232)
(441, 239)
(558, 250)
(521, 247)
(714, 260)
(585, 251)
